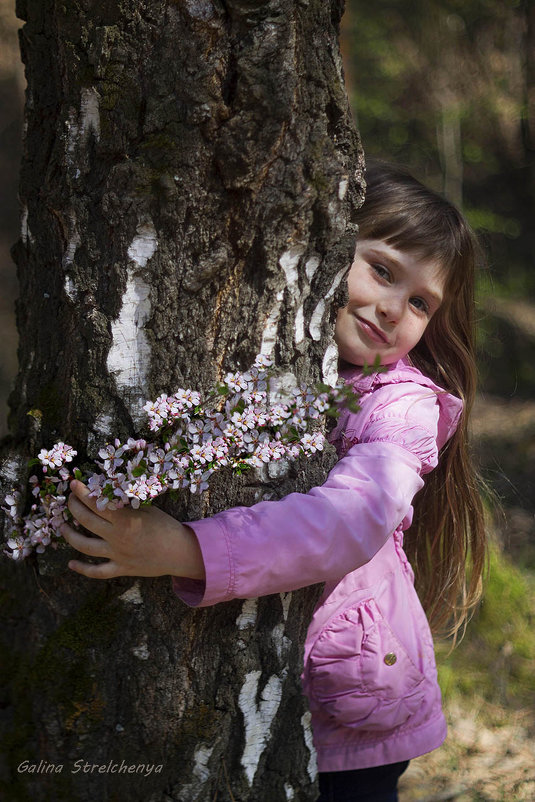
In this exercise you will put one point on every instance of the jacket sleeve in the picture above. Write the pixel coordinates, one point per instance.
(302, 539)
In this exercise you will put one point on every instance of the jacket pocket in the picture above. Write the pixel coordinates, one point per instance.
(360, 674)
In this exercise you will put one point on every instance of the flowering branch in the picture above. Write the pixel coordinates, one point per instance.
(242, 424)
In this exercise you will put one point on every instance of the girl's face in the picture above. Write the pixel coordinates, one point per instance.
(393, 295)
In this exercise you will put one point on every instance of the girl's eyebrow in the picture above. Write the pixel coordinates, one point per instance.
(436, 297)
(383, 256)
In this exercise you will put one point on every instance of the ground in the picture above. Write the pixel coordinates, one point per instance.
(482, 760)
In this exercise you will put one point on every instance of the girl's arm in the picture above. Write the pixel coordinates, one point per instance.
(253, 551)
(301, 539)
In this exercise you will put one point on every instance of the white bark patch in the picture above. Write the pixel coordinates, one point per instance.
(12, 469)
(201, 756)
(72, 244)
(329, 366)
(103, 424)
(25, 233)
(281, 643)
(312, 766)
(258, 718)
(132, 595)
(101, 430)
(314, 326)
(144, 245)
(70, 289)
(247, 617)
(278, 469)
(89, 113)
(289, 791)
(200, 9)
(311, 266)
(289, 261)
(141, 651)
(70, 250)
(80, 126)
(299, 325)
(282, 386)
(286, 600)
(337, 279)
(129, 355)
(200, 775)
(269, 335)
(342, 188)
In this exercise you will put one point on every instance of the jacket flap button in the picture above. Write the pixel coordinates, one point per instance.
(390, 658)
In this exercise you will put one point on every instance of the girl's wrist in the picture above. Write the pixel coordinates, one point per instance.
(186, 559)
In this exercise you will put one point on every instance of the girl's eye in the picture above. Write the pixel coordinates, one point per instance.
(382, 272)
(420, 305)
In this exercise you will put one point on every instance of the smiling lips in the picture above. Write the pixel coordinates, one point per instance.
(372, 331)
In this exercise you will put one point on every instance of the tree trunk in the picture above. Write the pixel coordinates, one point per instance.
(189, 177)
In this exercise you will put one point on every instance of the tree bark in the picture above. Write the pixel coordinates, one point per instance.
(189, 177)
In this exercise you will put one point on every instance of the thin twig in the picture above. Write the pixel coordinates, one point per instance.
(227, 780)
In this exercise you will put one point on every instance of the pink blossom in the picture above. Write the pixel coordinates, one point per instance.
(312, 442)
(262, 361)
(199, 481)
(20, 548)
(58, 454)
(12, 501)
(237, 381)
(197, 442)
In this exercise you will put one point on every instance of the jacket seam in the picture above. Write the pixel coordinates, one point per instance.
(380, 737)
(231, 585)
(413, 427)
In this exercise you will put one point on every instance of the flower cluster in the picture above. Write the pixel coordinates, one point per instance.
(242, 424)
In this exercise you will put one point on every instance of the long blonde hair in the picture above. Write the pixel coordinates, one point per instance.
(447, 542)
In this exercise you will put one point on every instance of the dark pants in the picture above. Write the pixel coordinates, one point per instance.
(378, 784)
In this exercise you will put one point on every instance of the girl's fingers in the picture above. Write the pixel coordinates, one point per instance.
(85, 515)
(101, 571)
(92, 546)
(82, 494)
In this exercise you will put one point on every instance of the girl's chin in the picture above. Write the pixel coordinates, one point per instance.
(359, 362)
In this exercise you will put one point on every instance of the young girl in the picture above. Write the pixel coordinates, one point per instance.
(369, 673)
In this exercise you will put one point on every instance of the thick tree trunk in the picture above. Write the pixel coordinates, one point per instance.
(187, 190)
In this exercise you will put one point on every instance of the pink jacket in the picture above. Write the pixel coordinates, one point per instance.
(370, 673)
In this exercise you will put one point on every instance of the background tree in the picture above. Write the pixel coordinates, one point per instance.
(187, 185)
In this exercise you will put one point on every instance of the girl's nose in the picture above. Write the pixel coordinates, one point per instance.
(391, 309)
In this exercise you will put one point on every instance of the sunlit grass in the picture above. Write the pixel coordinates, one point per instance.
(495, 662)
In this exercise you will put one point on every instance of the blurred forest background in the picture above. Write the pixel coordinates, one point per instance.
(446, 87)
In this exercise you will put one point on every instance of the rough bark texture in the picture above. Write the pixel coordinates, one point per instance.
(187, 190)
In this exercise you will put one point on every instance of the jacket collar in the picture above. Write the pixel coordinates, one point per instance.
(401, 371)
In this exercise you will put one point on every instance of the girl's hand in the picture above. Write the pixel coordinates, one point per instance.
(142, 542)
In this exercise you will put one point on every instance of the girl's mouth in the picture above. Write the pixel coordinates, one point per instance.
(372, 331)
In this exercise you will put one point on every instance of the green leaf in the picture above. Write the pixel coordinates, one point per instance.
(332, 412)
(240, 406)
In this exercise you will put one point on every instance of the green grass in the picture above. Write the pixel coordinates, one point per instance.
(495, 662)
